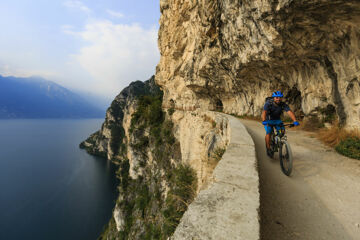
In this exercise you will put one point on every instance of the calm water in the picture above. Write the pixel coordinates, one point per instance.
(49, 188)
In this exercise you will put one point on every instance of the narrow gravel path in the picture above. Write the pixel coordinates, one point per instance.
(321, 200)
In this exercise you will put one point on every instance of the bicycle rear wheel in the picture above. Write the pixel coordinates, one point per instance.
(286, 159)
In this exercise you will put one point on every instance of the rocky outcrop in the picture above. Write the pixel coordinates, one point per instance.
(203, 137)
(232, 54)
(164, 159)
(111, 140)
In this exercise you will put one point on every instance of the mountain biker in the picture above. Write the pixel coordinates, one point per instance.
(271, 115)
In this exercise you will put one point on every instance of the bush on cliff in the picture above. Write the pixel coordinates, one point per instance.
(117, 135)
(146, 214)
(182, 193)
(148, 112)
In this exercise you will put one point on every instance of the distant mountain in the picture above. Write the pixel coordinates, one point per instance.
(36, 97)
(98, 101)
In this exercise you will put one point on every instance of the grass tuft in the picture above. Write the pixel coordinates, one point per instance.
(349, 147)
(334, 135)
(181, 194)
(345, 142)
(218, 153)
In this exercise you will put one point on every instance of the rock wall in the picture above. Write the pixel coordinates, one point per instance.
(232, 54)
(112, 139)
(228, 207)
(164, 159)
(203, 137)
(221, 55)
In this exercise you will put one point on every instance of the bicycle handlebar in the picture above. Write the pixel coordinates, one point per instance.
(282, 125)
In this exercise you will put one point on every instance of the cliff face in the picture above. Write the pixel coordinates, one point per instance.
(162, 165)
(112, 139)
(232, 54)
(221, 55)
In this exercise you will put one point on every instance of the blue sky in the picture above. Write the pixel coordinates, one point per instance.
(91, 46)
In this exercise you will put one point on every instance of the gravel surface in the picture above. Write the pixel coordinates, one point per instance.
(321, 198)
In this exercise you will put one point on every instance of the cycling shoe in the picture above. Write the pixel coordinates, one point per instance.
(269, 153)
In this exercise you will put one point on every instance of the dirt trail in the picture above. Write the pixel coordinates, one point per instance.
(321, 199)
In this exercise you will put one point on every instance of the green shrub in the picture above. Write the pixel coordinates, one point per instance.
(152, 232)
(123, 174)
(155, 133)
(171, 111)
(166, 132)
(148, 111)
(181, 194)
(184, 179)
(127, 206)
(349, 147)
(117, 135)
(142, 198)
(116, 110)
(172, 217)
(218, 153)
(141, 144)
(109, 231)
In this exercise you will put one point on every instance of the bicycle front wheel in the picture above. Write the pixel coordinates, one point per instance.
(286, 159)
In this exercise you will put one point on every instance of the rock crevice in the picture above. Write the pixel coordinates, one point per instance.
(335, 91)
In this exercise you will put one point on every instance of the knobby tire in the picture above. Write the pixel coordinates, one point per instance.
(286, 159)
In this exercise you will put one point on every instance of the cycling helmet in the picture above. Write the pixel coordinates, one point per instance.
(277, 94)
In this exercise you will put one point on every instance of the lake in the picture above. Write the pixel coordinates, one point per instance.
(49, 188)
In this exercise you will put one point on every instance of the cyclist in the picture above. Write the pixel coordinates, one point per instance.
(271, 115)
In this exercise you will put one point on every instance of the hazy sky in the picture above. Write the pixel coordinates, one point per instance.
(88, 45)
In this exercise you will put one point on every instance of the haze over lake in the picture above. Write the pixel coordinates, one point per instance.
(51, 189)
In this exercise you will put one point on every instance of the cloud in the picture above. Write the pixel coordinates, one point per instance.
(77, 5)
(115, 14)
(68, 29)
(116, 54)
(16, 71)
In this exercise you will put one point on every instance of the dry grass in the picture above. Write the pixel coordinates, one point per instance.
(334, 135)
(344, 141)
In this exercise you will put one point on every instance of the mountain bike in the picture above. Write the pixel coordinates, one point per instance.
(278, 143)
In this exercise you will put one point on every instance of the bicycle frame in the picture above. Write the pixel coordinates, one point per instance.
(280, 133)
(278, 143)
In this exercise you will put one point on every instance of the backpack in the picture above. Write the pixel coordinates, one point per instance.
(270, 100)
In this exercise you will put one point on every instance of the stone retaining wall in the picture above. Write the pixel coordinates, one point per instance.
(228, 208)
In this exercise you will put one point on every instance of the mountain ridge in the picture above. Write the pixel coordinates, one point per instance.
(36, 97)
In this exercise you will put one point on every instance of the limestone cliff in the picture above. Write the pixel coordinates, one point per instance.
(232, 54)
(111, 140)
(221, 55)
(164, 159)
